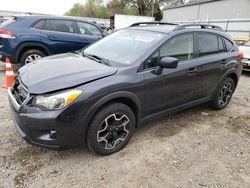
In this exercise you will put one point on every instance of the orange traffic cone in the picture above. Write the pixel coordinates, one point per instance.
(9, 74)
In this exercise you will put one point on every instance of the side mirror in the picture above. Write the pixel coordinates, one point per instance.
(166, 62)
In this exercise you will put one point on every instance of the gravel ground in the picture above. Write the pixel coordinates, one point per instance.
(195, 148)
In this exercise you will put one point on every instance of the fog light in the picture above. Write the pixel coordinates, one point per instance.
(52, 134)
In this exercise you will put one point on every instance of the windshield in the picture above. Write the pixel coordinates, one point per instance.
(124, 46)
(247, 43)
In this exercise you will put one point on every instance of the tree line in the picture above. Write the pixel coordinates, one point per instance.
(99, 9)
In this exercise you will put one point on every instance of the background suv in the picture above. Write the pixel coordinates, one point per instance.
(27, 38)
(101, 95)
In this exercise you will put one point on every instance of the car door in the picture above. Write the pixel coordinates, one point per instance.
(88, 33)
(60, 35)
(211, 59)
(173, 87)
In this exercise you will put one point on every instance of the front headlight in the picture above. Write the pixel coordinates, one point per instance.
(58, 101)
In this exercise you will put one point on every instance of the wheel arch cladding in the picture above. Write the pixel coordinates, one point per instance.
(234, 77)
(30, 46)
(229, 74)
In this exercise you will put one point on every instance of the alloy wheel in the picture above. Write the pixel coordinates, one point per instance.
(225, 94)
(113, 130)
(31, 58)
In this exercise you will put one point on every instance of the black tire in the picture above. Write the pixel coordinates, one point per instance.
(28, 53)
(97, 131)
(220, 101)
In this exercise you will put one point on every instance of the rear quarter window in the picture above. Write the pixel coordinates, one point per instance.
(65, 26)
(221, 46)
(229, 45)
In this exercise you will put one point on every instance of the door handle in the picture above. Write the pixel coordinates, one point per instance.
(84, 40)
(192, 71)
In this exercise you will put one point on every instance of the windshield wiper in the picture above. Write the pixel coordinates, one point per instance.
(98, 59)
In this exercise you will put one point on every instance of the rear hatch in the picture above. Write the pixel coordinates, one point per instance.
(6, 34)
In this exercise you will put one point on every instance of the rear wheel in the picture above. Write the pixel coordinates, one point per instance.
(224, 94)
(30, 55)
(111, 129)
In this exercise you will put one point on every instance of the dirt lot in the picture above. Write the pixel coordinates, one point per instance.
(195, 148)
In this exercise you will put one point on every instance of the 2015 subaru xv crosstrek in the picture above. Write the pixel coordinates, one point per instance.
(99, 95)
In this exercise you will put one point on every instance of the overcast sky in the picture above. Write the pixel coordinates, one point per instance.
(57, 7)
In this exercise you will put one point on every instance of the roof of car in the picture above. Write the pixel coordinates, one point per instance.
(55, 17)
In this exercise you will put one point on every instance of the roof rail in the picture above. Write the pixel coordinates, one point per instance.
(202, 26)
(152, 23)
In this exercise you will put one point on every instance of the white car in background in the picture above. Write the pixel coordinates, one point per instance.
(245, 48)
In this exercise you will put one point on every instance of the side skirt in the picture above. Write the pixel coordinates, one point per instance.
(173, 110)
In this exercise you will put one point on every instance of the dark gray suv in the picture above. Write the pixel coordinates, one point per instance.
(99, 95)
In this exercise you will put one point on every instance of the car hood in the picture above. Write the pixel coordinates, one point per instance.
(62, 71)
(245, 50)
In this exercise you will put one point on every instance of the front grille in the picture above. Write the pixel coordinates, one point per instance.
(19, 92)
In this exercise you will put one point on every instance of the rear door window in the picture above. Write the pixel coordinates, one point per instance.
(39, 24)
(65, 26)
(208, 44)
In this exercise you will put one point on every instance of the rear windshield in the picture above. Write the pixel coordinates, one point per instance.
(6, 23)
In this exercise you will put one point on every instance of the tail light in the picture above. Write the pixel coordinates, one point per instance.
(240, 55)
(6, 34)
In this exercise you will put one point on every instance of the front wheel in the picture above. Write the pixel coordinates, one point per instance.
(224, 94)
(111, 129)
